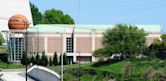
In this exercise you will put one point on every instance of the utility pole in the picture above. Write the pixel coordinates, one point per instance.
(62, 57)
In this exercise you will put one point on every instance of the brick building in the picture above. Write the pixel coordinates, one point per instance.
(81, 44)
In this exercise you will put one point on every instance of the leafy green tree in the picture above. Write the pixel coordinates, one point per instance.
(53, 16)
(1, 39)
(24, 59)
(125, 39)
(36, 14)
(102, 52)
(55, 59)
(32, 60)
(65, 62)
(50, 62)
(159, 47)
(43, 60)
(37, 59)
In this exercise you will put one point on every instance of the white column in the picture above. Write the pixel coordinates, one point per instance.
(75, 49)
(93, 43)
(64, 43)
(34, 45)
(45, 44)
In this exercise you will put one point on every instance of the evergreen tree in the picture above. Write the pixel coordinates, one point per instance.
(43, 60)
(24, 59)
(50, 62)
(32, 60)
(55, 60)
(64, 59)
(37, 59)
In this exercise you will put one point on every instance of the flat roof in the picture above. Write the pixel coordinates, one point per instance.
(61, 28)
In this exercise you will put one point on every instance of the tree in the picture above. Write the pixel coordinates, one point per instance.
(37, 59)
(1, 39)
(50, 62)
(32, 60)
(55, 60)
(159, 47)
(125, 39)
(56, 17)
(36, 14)
(43, 60)
(24, 59)
(64, 59)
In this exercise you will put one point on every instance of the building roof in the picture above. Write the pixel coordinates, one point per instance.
(61, 28)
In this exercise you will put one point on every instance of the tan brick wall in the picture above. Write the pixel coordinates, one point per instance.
(98, 42)
(84, 44)
(150, 40)
(54, 44)
(40, 42)
(29, 44)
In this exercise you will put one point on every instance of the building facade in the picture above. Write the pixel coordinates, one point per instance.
(77, 41)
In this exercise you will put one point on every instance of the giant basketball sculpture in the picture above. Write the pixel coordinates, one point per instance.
(18, 25)
(18, 22)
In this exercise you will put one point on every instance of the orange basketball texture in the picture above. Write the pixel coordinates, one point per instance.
(18, 22)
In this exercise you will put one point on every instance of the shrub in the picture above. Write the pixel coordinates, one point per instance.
(126, 70)
(50, 62)
(64, 59)
(155, 75)
(55, 60)
(4, 57)
(44, 59)
(32, 60)
(24, 59)
(37, 59)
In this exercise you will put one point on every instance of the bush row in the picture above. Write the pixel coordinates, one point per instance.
(43, 59)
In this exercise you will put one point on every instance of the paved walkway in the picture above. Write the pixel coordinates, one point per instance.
(14, 75)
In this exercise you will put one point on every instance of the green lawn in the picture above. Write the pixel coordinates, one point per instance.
(105, 72)
(10, 66)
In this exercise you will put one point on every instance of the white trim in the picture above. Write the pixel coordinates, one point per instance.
(43, 68)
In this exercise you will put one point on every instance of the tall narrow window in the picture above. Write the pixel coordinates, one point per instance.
(69, 44)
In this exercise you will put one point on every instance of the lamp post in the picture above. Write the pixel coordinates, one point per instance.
(79, 65)
(26, 53)
(26, 40)
(61, 59)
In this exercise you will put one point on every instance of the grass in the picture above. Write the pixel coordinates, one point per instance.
(103, 71)
(10, 66)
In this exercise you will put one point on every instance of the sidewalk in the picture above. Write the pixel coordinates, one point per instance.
(14, 75)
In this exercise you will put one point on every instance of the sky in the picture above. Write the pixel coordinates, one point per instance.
(106, 12)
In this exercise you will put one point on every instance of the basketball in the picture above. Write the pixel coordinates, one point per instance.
(19, 22)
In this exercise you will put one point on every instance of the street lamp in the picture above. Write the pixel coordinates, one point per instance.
(79, 64)
(61, 54)
(26, 33)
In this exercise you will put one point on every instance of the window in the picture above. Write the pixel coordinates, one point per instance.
(16, 47)
(69, 45)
